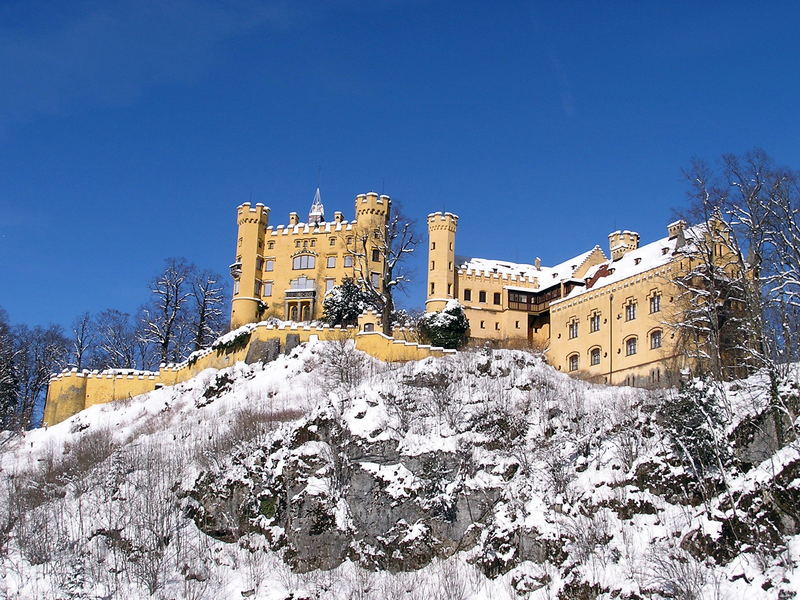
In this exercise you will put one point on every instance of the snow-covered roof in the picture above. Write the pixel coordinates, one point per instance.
(546, 276)
(634, 262)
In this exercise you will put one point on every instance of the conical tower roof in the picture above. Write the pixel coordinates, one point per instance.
(317, 212)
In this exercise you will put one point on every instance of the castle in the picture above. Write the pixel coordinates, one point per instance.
(605, 318)
(284, 271)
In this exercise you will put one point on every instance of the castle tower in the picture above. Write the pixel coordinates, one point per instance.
(317, 213)
(252, 221)
(441, 260)
(372, 210)
(622, 242)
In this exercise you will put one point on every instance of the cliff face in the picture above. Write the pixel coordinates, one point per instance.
(326, 474)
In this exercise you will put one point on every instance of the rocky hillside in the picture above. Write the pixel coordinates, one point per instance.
(326, 474)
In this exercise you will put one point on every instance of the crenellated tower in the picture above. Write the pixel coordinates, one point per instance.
(441, 260)
(252, 222)
(372, 210)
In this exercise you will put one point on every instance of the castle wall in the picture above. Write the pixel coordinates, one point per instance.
(70, 392)
(648, 366)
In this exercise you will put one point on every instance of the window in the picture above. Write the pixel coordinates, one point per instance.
(516, 324)
(259, 264)
(630, 346)
(483, 325)
(376, 255)
(467, 295)
(497, 326)
(431, 287)
(594, 356)
(655, 303)
(376, 280)
(594, 323)
(297, 243)
(331, 262)
(332, 241)
(270, 245)
(482, 296)
(496, 298)
(304, 261)
(236, 287)
(433, 265)
(267, 288)
(449, 288)
(329, 283)
(348, 261)
(313, 243)
(572, 361)
(257, 291)
(655, 339)
(433, 245)
(573, 329)
(630, 311)
(269, 265)
(301, 283)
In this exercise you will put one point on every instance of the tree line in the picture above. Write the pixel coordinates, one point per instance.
(185, 311)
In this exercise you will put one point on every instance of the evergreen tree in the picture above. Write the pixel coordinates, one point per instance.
(447, 328)
(344, 303)
(8, 378)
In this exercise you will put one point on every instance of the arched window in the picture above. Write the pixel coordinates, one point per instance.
(293, 312)
(630, 346)
(304, 261)
(572, 362)
(594, 356)
(655, 339)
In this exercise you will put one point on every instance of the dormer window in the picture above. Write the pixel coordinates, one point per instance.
(637, 260)
(664, 251)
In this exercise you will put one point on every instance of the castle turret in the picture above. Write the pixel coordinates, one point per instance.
(622, 242)
(441, 260)
(252, 221)
(372, 210)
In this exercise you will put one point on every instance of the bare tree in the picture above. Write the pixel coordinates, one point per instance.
(82, 342)
(162, 317)
(390, 245)
(39, 351)
(8, 377)
(207, 302)
(117, 340)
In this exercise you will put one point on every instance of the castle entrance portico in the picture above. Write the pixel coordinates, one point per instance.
(300, 304)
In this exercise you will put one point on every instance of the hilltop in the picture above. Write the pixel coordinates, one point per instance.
(328, 474)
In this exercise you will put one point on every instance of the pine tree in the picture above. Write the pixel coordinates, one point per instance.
(344, 303)
(447, 328)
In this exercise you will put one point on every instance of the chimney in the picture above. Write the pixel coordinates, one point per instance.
(673, 229)
(338, 217)
(293, 220)
(622, 242)
(537, 263)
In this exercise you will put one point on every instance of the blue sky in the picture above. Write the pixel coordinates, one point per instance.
(129, 131)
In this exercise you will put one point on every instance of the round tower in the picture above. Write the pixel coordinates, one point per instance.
(372, 210)
(252, 222)
(442, 285)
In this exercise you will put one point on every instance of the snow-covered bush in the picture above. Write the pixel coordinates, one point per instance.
(447, 328)
(343, 303)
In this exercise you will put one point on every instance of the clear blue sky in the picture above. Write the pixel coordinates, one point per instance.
(130, 130)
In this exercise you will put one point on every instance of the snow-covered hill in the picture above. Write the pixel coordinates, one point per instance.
(327, 474)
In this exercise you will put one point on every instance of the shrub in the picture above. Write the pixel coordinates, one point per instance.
(447, 328)
(344, 303)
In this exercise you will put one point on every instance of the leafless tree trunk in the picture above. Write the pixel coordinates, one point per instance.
(392, 245)
(83, 337)
(208, 300)
(117, 340)
(162, 317)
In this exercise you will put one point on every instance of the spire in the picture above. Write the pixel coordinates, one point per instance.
(317, 212)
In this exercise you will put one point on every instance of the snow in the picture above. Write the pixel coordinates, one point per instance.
(175, 423)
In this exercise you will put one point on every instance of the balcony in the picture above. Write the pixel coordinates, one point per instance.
(236, 270)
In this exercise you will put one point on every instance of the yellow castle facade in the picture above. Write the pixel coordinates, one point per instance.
(284, 271)
(607, 318)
